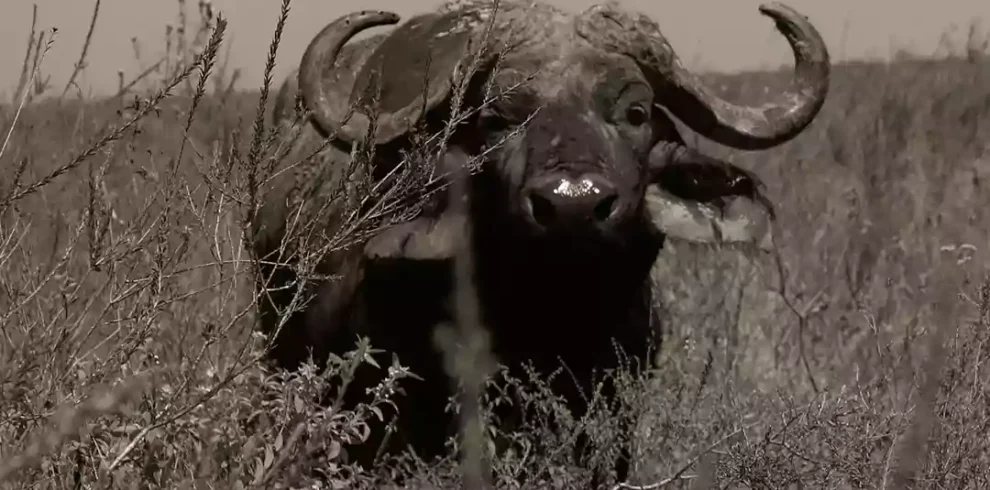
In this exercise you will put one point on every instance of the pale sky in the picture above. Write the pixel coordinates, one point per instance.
(724, 35)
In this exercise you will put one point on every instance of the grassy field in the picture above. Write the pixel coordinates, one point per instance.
(856, 355)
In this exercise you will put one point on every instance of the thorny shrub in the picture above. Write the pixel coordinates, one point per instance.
(852, 356)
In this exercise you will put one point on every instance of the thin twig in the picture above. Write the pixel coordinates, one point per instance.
(23, 81)
(680, 473)
(82, 56)
(141, 76)
(68, 424)
(27, 90)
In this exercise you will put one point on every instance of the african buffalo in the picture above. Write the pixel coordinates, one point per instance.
(570, 210)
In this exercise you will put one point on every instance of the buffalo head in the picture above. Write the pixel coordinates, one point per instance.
(590, 89)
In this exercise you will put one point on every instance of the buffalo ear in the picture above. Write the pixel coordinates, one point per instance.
(434, 236)
(423, 238)
(698, 198)
(735, 220)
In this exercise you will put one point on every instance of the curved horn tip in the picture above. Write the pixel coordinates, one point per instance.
(385, 14)
(314, 61)
(781, 12)
(380, 17)
(792, 23)
(774, 9)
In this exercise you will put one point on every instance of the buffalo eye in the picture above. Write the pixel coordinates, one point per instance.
(494, 123)
(636, 115)
(494, 120)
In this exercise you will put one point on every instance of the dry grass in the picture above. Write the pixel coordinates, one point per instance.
(856, 356)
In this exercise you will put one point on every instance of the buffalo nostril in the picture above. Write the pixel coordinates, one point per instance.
(603, 210)
(542, 209)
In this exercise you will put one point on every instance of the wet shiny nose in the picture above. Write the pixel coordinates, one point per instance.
(555, 200)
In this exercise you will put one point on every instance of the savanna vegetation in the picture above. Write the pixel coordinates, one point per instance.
(856, 354)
